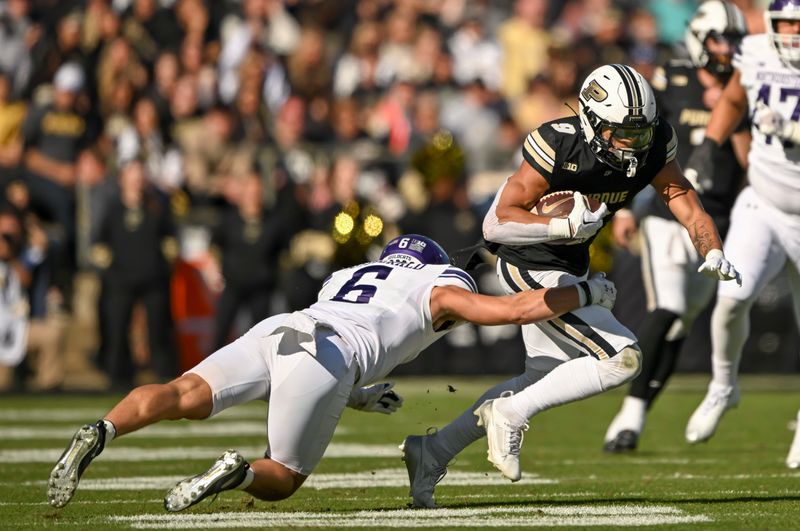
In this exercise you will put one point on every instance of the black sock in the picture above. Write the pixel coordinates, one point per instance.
(667, 358)
(651, 334)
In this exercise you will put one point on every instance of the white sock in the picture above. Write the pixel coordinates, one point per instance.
(569, 381)
(730, 326)
(111, 430)
(248, 479)
(633, 413)
(448, 442)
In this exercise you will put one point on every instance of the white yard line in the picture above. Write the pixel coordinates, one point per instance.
(391, 477)
(167, 431)
(131, 453)
(533, 516)
(91, 414)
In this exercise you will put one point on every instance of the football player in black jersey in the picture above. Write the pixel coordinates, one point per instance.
(686, 91)
(611, 151)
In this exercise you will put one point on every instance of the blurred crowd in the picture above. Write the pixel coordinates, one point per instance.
(173, 170)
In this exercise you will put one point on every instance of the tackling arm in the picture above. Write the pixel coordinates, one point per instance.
(450, 303)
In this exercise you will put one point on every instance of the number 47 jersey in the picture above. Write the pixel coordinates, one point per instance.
(774, 170)
(383, 311)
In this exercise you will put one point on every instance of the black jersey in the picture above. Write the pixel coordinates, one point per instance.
(559, 152)
(680, 100)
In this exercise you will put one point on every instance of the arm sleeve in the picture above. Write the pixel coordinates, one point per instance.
(511, 232)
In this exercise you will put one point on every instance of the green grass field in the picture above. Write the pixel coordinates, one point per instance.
(736, 481)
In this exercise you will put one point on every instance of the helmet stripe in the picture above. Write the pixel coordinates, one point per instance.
(631, 88)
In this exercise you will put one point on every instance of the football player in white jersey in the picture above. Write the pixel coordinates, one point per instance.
(311, 364)
(617, 146)
(764, 236)
(687, 90)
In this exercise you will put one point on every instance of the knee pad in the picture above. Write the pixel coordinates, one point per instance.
(621, 368)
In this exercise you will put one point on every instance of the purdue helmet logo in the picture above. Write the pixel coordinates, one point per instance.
(593, 91)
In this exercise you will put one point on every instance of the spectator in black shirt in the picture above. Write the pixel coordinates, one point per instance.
(135, 248)
(249, 240)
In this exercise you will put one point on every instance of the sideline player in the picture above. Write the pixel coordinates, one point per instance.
(611, 151)
(764, 236)
(686, 92)
(310, 364)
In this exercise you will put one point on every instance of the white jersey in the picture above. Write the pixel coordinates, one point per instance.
(774, 171)
(383, 311)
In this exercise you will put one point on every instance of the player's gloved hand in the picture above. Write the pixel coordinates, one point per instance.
(770, 122)
(767, 121)
(717, 266)
(601, 291)
(376, 398)
(700, 166)
(581, 223)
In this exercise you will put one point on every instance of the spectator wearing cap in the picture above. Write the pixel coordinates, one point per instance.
(54, 135)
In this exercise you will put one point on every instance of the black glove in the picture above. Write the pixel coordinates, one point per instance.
(700, 167)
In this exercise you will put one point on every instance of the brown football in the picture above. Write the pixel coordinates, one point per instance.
(560, 204)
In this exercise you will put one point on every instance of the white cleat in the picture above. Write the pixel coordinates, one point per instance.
(226, 473)
(793, 459)
(705, 419)
(424, 472)
(86, 444)
(503, 438)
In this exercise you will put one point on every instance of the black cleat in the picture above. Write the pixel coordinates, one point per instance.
(226, 473)
(625, 441)
(86, 444)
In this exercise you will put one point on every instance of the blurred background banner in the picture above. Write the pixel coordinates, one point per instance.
(172, 171)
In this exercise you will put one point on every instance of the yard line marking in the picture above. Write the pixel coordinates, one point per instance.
(92, 414)
(132, 453)
(544, 516)
(388, 477)
(167, 431)
(84, 502)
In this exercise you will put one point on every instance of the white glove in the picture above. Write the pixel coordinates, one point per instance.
(377, 398)
(601, 291)
(717, 266)
(581, 224)
(767, 121)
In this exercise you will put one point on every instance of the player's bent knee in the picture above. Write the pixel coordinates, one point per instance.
(622, 368)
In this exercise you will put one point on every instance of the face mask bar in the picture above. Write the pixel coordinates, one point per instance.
(631, 148)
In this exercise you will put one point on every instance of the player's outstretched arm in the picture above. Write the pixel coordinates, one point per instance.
(450, 303)
(725, 118)
(679, 195)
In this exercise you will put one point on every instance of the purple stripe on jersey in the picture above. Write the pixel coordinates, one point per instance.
(457, 273)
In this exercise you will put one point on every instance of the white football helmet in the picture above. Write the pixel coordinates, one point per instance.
(787, 46)
(720, 21)
(618, 116)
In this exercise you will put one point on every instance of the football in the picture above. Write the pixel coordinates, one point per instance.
(560, 204)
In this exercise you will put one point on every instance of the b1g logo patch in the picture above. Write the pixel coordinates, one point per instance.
(594, 91)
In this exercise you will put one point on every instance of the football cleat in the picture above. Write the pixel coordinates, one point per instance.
(226, 473)
(624, 441)
(503, 438)
(793, 459)
(424, 472)
(705, 419)
(86, 444)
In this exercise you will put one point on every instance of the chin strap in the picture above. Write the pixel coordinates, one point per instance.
(632, 166)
